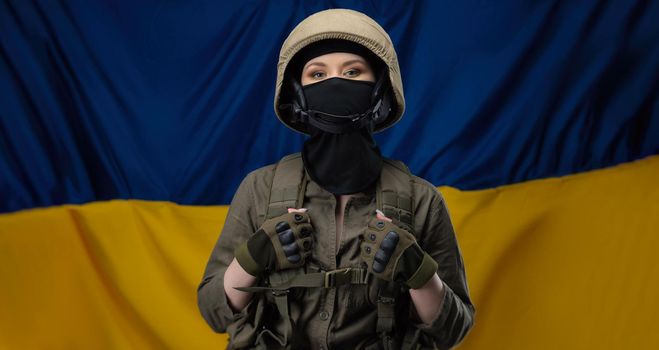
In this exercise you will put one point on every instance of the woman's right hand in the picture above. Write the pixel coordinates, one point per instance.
(280, 243)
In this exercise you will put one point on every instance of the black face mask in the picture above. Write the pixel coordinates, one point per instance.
(348, 162)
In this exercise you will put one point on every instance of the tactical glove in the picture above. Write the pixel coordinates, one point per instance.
(393, 254)
(280, 243)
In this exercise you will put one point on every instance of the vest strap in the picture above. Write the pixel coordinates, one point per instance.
(288, 186)
(394, 197)
(281, 299)
(386, 321)
(327, 279)
(394, 194)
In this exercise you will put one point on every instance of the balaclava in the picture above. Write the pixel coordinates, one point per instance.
(340, 159)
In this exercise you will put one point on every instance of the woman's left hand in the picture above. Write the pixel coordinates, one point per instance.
(393, 254)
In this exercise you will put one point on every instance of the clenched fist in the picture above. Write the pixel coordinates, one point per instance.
(280, 243)
(393, 254)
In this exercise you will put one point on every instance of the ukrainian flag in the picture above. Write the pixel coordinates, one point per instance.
(126, 128)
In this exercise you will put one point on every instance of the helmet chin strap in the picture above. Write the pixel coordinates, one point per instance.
(337, 124)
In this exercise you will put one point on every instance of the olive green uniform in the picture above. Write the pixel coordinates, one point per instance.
(345, 316)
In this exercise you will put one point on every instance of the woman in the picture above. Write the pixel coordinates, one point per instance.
(337, 246)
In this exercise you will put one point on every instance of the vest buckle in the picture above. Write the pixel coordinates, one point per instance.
(338, 277)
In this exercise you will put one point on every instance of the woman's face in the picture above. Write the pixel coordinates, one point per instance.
(336, 64)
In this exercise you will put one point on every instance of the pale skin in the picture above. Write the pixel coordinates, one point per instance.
(428, 299)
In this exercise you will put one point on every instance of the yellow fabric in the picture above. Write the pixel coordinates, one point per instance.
(108, 275)
(564, 263)
(567, 263)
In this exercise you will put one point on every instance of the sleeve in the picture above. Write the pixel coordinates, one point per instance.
(238, 226)
(456, 317)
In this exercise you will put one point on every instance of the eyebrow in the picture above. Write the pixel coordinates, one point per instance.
(316, 64)
(356, 60)
(346, 63)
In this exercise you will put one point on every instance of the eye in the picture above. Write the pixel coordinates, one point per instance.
(317, 74)
(352, 72)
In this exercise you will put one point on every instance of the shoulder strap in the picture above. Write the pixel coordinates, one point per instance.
(287, 190)
(288, 186)
(394, 195)
(395, 198)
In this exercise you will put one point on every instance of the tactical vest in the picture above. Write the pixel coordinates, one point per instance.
(394, 197)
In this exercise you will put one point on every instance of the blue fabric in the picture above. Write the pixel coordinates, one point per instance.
(172, 100)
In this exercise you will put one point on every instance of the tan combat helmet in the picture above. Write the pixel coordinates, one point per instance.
(346, 25)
